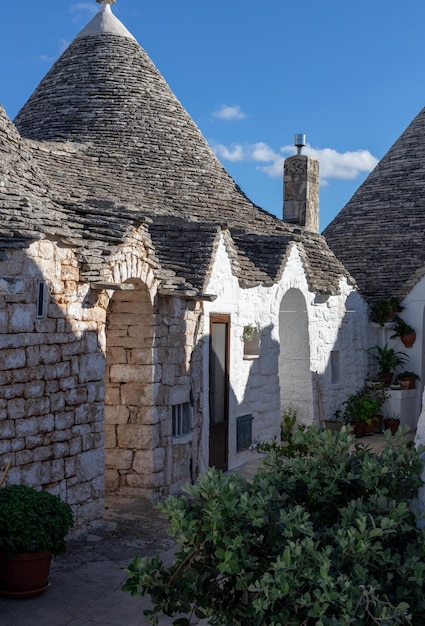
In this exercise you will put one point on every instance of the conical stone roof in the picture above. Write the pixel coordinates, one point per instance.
(139, 142)
(27, 212)
(379, 234)
(119, 149)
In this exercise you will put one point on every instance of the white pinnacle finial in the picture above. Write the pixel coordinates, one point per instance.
(105, 22)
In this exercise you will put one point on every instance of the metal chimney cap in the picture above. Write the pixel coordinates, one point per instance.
(299, 142)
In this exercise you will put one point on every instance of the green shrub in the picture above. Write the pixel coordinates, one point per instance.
(32, 521)
(325, 536)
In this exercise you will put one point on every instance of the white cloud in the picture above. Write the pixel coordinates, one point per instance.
(229, 113)
(333, 164)
(234, 153)
(259, 152)
(84, 6)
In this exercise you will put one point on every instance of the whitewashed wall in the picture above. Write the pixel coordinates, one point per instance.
(338, 323)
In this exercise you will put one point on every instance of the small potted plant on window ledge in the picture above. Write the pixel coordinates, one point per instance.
(33, 527)
(251, 341)
(407, 379)
(403, 330)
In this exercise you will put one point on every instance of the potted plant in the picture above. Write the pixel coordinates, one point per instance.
(392, 422)
(361, 409)
(383, 311)
(403, 330)
(336, 422)
(33, 526)
(407, 379)
(387, 359)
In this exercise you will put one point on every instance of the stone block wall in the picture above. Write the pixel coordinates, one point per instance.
(51, 379)
(150, 367)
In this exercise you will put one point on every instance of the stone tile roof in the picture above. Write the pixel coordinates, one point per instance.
(27, 212)
(379, 234)
(124, 159)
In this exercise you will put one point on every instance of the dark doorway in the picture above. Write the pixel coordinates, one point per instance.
(219, 390)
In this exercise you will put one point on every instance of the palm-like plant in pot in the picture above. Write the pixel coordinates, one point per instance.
(33, 526)
(387, 360)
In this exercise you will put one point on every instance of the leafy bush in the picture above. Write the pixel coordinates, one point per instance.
(323, 536)
(32, 520)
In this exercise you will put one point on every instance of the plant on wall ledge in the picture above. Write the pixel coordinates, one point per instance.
(407, 379)
(387, 360)
(383, 311)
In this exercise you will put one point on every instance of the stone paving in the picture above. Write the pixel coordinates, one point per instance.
(85, 583)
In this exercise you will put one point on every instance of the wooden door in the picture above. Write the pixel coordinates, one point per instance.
(219, 390)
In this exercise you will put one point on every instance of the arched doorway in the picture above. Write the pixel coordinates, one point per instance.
(295, 377)
(129, 389)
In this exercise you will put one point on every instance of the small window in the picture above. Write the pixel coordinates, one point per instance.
(181, 419)
(41, 299)
(335, 367)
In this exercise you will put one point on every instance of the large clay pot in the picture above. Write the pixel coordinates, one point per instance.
(24, 576)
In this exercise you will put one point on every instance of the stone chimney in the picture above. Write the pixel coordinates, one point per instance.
(301, 188)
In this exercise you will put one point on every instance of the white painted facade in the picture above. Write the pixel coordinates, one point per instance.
(302, 333)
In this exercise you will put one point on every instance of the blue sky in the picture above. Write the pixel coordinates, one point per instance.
(252, 73)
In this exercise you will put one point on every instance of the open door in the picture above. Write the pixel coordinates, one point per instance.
(219, 390)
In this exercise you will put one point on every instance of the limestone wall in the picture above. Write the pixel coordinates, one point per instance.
(51, 379)
(132, 351)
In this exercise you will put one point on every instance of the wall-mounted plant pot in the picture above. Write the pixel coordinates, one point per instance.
(408, 340)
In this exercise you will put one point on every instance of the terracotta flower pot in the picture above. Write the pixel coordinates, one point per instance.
(392, 425)
(25, 575)
(408, 340)
(357, 428)
(386, 377)
(333, 426)
(369, 429)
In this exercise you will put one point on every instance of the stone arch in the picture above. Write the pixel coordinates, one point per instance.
(129, 391)
(295, 377)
